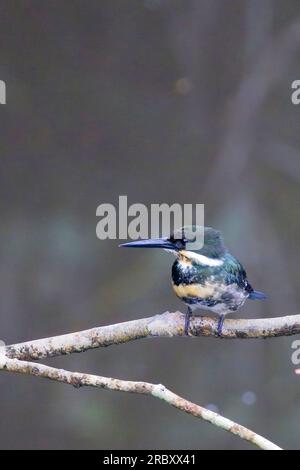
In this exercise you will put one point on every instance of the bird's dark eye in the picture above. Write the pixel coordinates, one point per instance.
(179, 244)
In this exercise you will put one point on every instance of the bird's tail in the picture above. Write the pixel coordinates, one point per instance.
(255, 295)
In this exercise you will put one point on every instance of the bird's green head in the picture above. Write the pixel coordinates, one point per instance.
(182, 241)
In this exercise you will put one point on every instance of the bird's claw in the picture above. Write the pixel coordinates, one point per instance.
(220, 325)
(187, 321)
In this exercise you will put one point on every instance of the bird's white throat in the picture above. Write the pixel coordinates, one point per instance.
(204, 260)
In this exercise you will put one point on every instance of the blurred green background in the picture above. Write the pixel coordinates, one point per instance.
(165, 101)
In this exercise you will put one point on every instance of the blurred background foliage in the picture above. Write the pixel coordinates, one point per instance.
(165, 101)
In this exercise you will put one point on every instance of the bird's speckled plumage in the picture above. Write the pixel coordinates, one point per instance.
(221, 289)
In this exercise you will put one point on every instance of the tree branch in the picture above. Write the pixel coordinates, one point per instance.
(163, 325)
(156, 390)
(12, 358)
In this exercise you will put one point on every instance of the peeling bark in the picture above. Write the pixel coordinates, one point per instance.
(164, 325)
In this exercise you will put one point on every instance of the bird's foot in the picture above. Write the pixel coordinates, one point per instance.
(187, 321)
(220, 325)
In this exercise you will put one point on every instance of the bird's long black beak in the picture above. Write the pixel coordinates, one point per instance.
(150, 243)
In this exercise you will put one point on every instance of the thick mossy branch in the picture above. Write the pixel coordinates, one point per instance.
(163, 325)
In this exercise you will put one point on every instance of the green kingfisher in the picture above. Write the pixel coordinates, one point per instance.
(209, 278)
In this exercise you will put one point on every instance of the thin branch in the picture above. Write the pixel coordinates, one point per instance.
(163, 325)
(156, 390)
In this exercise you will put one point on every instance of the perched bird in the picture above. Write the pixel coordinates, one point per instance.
(209, 278)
